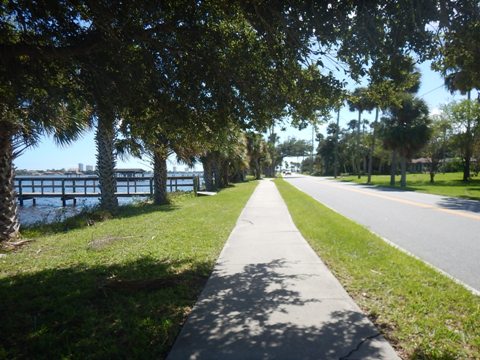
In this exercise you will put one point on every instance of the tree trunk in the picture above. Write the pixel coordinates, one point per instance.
(466, 166)
(354, 169)
(434, 167)
(270, 171)
(468, 148)
(468, 152)
(217, 171)
(160, 155)
(225, 173)
(208, 172)
(104, 139)
(258, 171)
(9, 222)
(403, 168)
(393, 168)
(372, 148)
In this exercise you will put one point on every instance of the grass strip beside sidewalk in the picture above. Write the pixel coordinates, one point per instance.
(113, 288)
(424, 314)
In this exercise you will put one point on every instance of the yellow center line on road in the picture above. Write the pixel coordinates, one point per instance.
(404, 201)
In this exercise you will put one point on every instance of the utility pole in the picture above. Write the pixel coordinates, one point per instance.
(335, 151)
(313, 146)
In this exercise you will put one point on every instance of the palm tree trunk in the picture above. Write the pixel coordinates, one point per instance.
(258, 171)
(9, 222)
(225, 173)
(208, 172)
(104, 139)
(160, 155)
(403, 169)
(354, 169)
(393, 168)
(217, 172)
(468, 148)
(372, 148)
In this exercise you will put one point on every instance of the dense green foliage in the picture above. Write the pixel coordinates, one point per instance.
(458, 50)
(152, 76)
(464, 120)
(449, 141)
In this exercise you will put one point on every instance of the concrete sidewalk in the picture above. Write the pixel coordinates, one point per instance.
(271, 297)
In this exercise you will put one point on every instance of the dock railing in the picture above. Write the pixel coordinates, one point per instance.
(71, 188)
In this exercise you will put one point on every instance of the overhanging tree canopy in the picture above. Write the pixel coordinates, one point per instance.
(247, 62)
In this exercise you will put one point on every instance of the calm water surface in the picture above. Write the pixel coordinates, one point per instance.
(49, 210)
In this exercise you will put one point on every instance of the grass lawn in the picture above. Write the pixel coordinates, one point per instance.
(448, 184)
(113, 288)
(422, 313)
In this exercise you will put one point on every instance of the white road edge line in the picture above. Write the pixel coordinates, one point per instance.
(460, 282)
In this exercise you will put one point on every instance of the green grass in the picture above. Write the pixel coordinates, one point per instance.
(448, 184)
(424, 314)
(99, 287)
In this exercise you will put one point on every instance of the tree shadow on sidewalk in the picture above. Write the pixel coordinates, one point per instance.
(245, 315)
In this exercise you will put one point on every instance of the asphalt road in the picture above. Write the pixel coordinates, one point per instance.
(443, 231)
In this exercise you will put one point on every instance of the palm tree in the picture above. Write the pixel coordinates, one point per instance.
(225, 157)
(106, 159)
(165, 146)
(238, 158)
(207, 162)
(23, 126)
(359, 101)
(234, 157)
(461, 81)
(405, 130)
(257, 152)
(158, 138)
(372, 145)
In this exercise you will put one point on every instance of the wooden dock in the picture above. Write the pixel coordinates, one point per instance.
(70, 188)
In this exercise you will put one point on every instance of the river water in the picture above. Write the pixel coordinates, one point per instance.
(49, 210)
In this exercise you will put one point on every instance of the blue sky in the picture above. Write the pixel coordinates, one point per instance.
(47, 155)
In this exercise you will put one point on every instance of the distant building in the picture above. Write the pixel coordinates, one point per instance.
(89, 168)
(419, 165)
(80, 167)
